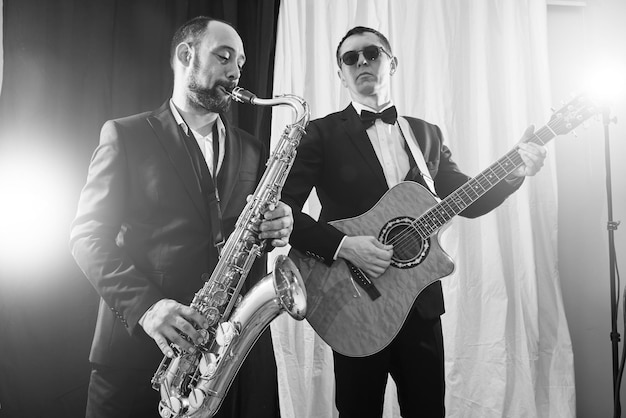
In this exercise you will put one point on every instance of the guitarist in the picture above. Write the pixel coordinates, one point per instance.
(352, 158)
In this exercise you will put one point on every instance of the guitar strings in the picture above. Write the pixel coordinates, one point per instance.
(405, 239)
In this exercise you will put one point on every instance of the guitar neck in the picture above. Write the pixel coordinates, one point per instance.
(468, 193)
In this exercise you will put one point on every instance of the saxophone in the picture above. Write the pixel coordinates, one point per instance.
(195, 384)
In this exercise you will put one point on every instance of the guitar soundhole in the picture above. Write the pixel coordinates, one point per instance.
(409, 249)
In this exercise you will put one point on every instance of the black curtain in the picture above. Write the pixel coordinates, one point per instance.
(70, 65)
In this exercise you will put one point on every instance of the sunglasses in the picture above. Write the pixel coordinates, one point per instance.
(371, 53)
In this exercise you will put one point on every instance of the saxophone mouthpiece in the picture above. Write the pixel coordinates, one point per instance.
(242, 95)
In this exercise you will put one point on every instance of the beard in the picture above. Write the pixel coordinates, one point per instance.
(212, 99)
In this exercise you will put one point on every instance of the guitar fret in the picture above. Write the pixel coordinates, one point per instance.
(508, 162)
(420, 225)
(549, 128)
(476, 187)
(458, 201)
(547, 132)
(467, 196)
(492, 174)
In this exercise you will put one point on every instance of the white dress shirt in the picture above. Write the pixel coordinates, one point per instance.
(205, 142)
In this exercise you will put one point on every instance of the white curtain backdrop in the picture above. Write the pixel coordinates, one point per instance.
(479, 70)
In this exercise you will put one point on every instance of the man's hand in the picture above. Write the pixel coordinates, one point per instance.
(533, 155)
(277, 225)
(167, 319)
(368, 254)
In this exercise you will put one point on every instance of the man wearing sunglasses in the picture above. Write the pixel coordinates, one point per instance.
(352, 158)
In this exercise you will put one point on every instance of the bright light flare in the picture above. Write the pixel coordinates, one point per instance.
(606, 82)
(35, 204)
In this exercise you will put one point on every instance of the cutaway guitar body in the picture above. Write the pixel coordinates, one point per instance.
(358, 323)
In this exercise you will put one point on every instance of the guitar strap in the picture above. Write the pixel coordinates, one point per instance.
(418, 171)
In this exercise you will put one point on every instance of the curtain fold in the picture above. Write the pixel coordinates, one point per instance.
(478, 70)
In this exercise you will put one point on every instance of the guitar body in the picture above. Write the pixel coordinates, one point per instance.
(339, 310)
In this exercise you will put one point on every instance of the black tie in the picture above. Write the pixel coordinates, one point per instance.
(388, 115)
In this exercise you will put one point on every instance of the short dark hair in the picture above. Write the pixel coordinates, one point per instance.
(191, 32)
(357, 30)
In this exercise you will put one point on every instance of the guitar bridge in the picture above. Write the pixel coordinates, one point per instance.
(362, 280)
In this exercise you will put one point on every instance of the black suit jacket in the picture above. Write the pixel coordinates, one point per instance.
(337, 158)
(142, 230)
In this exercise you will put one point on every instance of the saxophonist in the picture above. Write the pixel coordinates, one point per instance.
(164, 189)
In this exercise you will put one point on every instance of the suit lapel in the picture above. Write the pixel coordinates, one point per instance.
(355, 131)
(171, 138)
(228, 175)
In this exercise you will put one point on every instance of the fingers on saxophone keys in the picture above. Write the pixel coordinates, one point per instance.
(187, 335)
(276, 228)
(196, 317)
(280, 242)
(183, 344)
(164, 346)
(279, 234)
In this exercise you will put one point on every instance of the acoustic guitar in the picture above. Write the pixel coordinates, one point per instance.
(359, 317)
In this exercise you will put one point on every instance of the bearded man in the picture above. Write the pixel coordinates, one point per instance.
(164, 190)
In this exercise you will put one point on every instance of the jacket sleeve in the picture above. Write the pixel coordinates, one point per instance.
(95, 230)
(316, 239)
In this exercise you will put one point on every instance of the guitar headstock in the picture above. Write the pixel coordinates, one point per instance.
(578, 110)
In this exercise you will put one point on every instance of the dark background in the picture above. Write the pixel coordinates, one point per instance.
(70, 65)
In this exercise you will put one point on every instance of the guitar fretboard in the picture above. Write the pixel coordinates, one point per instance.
(440, 214)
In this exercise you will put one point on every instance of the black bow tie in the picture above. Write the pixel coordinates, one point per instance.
(388, 115)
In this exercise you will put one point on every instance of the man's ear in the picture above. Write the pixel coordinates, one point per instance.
(184, 53)
(342, 78)
(394, 65)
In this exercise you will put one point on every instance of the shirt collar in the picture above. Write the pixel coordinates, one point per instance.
(181, 122)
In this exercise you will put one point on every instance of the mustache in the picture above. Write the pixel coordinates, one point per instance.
(228, 85)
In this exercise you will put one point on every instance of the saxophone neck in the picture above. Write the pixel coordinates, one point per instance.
(298, 104)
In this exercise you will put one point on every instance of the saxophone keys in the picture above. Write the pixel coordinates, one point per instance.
(178, 405)
(208, 364)
(219, 298)
(164, 410)
(204, 334)
(212, 315)
(225, 333)
(196, 398)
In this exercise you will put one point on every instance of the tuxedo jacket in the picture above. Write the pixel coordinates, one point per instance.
(142, 231)
(337, 158)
